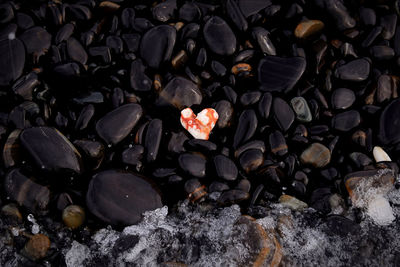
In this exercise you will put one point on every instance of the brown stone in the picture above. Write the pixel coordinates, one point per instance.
(308, 28)
(37, 247)
(316, 155)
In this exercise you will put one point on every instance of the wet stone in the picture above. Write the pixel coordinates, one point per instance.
(389, 123)
(232, 197)
(157, 44)
(225, 113)
(12, 61)
(219, 36)
(236, 15)
(353, 71)
(117, 124)
(342, 98)
(283, 114)
(280, 74)
(51, 150)
(193, 164)
(153, 139)
(346, 121)
(300, 107)
(381, 52)
(246, 127)
(120, 198)
(225, 168)
(76, 51)
(92, 151)
(32, 196)
(338, 12)
(138, 78)
(308, 28)
(292, 203)
(180, 93)
(316, 155)
(278, 143)
(251, 159)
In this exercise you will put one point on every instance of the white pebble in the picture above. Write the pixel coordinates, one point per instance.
(380, 154)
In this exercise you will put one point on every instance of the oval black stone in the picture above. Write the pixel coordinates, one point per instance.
(342, 98)
(279, 73)
(225, 168)
(193, 164)
(157, 44)
(283, 114)
(12, 60)
(219, 36)
(246, 127)
(117, 124)
(389, 123)
(346, 121)
(138, 78)
(51, 150)
(120, 198)
(353, 71)
(180, 93)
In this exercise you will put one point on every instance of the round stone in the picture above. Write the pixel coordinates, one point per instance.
(316, 155)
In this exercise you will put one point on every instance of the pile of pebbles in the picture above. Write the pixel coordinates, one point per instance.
(91, 94)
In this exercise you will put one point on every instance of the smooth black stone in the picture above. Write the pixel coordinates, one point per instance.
(232, 196)
(320, 200)
(193, 164)
(389, 123)
(244, 185)
(120, 198)
(24, 86)
(37, 41)
(190, 31)
(164, 172)
(280, 74)
(200, 145)
(261, 36)
(251, 7)
(115, 44)
(250, 98)
(118, 123)
(256, 144)
(373, 34)
(384, 88)
(189, 12)
(12, 60)
(132, 41)
(367, 16)
(354, 71)
(153, 139)
(218, 68)
(157, 44)
(346, 121)
(180, 93)
(142, 24)
(50, 150)
(84, 117)
(128, 17)
(264, 106)
(138, 78)
(201, 59)
(338, 12)
(133, 155)
(32, 196)
(24, 21)
(225, 168)
(388, 23)
(92, 151)
(76, 51)
(64, 33)
(251, 159)
(217, 187)
(164, 11)
(278, 143)
(176, 142)
(381, 52)
(246, 127)
(236, 15)
(219, 36)
(342, 98)
(67, 71)
(7, 13)
(283, 114)
(360, 159)
(103, 52)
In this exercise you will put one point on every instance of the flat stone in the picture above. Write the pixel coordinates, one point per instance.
(316, 155)
(219, 36)
(354, 71)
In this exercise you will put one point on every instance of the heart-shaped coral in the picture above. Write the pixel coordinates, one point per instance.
(201, 125)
